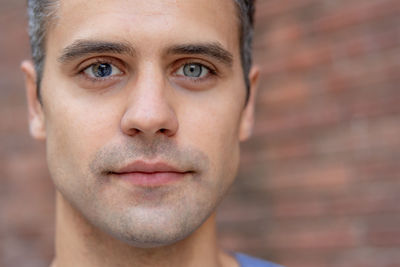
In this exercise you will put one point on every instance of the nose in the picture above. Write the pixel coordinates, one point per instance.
(149, 111)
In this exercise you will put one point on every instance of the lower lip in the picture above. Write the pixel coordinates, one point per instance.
(151, 179)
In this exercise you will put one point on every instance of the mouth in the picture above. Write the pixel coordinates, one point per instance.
(146, 174)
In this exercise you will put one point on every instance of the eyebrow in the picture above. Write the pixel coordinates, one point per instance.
(81, 48)
(214, 50)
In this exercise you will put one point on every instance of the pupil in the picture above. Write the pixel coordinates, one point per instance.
(103, 70)
(192, 70)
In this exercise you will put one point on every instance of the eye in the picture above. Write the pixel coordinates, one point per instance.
(193, 70)
(101, 70)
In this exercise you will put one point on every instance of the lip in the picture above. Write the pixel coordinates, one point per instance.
(144, 174)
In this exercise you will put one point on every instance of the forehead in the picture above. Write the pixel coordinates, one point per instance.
(148, 22)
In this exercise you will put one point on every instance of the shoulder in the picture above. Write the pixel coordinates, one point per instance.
(248, 261)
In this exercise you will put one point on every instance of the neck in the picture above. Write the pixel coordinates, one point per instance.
(79, 243)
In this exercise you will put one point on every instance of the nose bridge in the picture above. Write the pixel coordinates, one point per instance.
(149, 110)
(149, 89)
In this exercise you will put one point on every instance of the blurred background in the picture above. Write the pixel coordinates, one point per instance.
(319, 183)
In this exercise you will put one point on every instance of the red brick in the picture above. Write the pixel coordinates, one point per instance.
(326, 176)
(322, 238)
(286, 150)
(368, 257)
(309, 117)
(366, 203)
(290, 91)
(303, 59)
(293, 209)
(354, 13)
(384, 237)
(283, 33)
(270, 8)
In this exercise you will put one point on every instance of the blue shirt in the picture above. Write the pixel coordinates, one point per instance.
(247, 261)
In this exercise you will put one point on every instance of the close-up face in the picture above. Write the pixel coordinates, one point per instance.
(143, 106)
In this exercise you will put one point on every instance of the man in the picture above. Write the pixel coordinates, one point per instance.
(142, 105)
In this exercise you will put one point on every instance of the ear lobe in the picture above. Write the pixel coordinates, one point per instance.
(35, 109)
(247, 120)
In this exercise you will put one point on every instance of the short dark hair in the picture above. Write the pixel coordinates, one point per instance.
(42, 12)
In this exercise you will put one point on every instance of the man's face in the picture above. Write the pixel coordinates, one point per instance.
(143, 110)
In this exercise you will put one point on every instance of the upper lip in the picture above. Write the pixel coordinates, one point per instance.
(148, 167)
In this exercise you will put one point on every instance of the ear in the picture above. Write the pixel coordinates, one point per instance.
(247, 120)
(35, 109)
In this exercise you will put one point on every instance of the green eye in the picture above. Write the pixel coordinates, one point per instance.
(193, 70)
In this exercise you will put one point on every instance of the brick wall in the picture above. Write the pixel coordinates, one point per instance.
(319, 182)
(322, 175)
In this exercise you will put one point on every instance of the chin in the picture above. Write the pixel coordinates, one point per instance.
(152, 236)
(152, 241)
(144, 228)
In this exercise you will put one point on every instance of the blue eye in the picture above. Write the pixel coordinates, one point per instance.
(101, 70)
(193, 70)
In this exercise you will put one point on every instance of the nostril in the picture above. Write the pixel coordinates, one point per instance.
(133, 131)
(165, 131)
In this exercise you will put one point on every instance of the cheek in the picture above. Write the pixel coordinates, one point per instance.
(214, 129)
(76, 129)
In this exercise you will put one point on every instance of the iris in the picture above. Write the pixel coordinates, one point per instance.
(193, 70)
(102, 70)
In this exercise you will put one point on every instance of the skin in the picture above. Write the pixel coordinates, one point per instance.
(146, 110)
